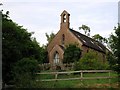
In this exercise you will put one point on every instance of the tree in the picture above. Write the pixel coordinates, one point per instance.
(24, 72)
(40, 53)
(111, 60)
(86, 29)
(114, 42)
(17, 43)
(72, 53)
(99, 38)
(50, 37)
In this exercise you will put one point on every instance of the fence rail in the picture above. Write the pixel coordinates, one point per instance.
(81, 75)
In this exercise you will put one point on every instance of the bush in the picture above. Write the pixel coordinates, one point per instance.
(90, 62)
(72, 53)
(24, 73)
(112, 61)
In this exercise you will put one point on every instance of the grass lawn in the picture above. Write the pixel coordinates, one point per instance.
(96, 83)
(104, 83)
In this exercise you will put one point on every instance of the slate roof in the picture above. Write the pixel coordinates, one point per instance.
(89, 42)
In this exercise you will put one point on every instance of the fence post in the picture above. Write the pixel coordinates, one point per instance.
(56, 74)
(109, 77)
(81, 75)
(109, 73)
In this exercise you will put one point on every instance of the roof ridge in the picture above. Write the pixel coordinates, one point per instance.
(83, 34)
(86, 36)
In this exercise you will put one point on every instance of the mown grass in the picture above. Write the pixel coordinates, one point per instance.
(99, 74)
(96, 83)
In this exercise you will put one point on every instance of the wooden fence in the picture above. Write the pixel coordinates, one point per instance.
(81, 75)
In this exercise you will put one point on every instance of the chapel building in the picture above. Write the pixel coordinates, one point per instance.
(66, 36)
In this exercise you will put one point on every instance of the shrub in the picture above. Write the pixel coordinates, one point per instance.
(24, 73)
(72, 53)
(90, 62)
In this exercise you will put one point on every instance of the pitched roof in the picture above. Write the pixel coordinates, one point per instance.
(65, 12)
(89, 42)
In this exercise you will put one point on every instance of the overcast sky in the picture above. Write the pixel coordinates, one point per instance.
(43, 16)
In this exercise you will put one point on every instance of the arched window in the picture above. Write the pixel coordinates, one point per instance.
(56, 57)
(63, 39)
(64, 18)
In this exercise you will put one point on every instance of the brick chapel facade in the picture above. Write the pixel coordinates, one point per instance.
(66, 36)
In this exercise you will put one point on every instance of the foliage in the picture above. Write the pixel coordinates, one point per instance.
(114, 42)
(86, 29)
(111, 60)
(90, 61)
(72, 53)
(17, 43)
(39, 53)
(50, 37)
(99, 38)
(24, 72)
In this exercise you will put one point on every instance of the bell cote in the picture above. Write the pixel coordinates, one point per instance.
(64, 20)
